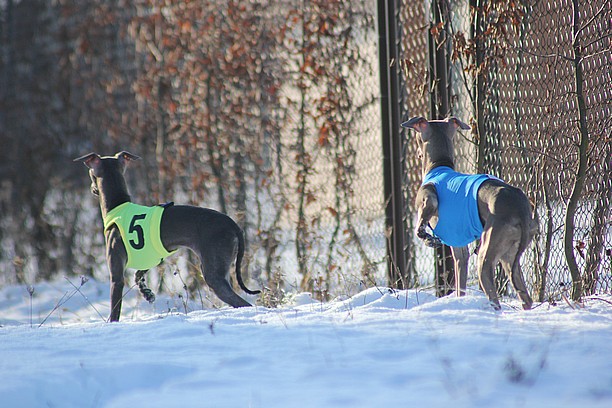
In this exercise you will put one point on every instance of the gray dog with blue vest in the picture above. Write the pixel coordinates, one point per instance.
(455, 209)
(140, 237)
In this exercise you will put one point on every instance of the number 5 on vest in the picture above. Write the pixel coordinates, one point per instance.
(135, 228)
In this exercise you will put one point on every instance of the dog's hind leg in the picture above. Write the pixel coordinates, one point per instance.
(461, 255)
(515, 241)
(216, 261)
(487, 261)
(515, 274)
(216, 279)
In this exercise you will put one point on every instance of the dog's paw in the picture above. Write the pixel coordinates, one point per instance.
(142, 286)
(422, 233)
(433, 242)
(148, 295)
(429, 240)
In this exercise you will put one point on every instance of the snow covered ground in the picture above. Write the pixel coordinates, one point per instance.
(378, 348)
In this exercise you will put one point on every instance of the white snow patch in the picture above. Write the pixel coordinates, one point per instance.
(378, 348)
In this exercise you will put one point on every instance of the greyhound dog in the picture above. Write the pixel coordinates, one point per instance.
(139, 237)
(460, 208)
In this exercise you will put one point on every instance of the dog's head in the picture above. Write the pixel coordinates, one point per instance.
(101, 167)
(436, 139)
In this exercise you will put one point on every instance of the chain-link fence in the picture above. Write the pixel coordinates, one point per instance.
(534, 80)
(269, 110)
(266, 110)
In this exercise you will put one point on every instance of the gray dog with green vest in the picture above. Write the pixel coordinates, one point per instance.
(140, 237)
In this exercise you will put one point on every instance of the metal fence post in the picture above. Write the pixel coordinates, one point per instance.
(439, 108)
(392, 145)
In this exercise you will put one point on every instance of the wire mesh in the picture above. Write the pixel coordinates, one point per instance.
(268, 110)
(515, 62)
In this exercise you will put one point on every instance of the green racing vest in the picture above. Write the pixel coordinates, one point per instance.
(139, 226)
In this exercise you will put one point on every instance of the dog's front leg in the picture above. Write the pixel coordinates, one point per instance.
(427, 211)
(116, 258)
(461, 255)
(139, 279)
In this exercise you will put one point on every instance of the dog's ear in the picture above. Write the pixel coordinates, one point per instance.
(126, 156)
(90, 159)
(457, 123)
(418, 123)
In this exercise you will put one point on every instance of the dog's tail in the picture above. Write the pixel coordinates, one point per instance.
(529, 222)
(530, 225)
(239, 257)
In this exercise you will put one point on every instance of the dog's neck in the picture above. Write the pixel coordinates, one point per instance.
(437, 154)
(118, 196)
(437, 147)
(427, 167)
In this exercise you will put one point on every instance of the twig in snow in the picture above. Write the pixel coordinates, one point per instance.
(30, 289)
(564, 296)
(84, 280)
(185, 299)
(598, 298)
(59, 303)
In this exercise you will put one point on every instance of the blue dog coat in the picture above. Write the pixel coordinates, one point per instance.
(458, 219)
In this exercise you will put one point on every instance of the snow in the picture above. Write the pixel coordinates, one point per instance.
(377, 348)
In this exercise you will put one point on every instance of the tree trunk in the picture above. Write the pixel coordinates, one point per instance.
(572, 205)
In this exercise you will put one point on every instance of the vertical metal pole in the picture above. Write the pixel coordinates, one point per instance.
(439, 109)
(479, 90)
(392, 144)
